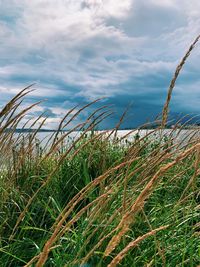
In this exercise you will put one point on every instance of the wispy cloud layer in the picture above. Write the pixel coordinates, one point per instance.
(80, 50)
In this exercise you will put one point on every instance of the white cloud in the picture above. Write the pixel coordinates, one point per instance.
(40, 91)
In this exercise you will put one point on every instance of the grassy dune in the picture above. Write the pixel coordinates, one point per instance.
(96, 202)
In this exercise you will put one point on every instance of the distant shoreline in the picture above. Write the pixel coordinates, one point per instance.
(195, 127)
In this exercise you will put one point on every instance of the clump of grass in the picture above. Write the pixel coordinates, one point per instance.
(97, 199)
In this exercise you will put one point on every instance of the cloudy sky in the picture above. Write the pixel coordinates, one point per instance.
(78, 50)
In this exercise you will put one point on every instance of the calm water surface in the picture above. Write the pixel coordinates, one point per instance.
(178, 135)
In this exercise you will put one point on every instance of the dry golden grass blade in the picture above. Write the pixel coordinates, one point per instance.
(80, 213)
(59, 231)
(12, 102)
(30, 263)
(173, 82)
(86, 258)
(34, 133)
(104, 235)
(80, 110)
(18, 116)
(188, 139)
(194, 176)
(89, 227)
(60, 126)
(160, 250)
(8, 142)
(11, 132)
(127, 219)
(125, 184)
(56, 143)
(133, 244)
(78, 127)
(118, 125)
(136, 130)
(88, 129)
(96, 137)
(11, 112)
(38, 127)
(150, 263)
(135, 143)
(180, 126)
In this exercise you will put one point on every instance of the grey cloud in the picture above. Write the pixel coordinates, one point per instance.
(86, 49)
(148, 19)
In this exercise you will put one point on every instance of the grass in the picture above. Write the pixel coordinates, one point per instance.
(99, 199)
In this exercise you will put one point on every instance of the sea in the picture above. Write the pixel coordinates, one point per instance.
(127, 136)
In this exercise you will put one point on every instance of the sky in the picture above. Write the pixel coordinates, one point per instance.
(78, 50)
